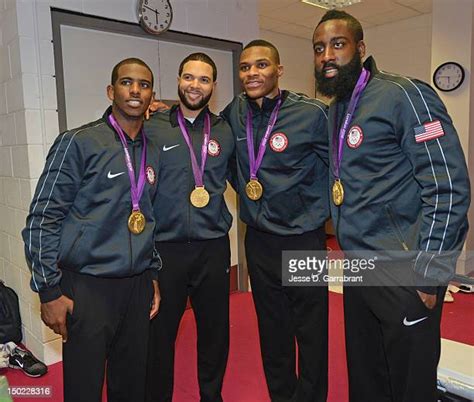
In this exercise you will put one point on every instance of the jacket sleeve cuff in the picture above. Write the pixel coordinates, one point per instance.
(425, 285)
(431, 290)
(154, 274)
(156, 264)
(50, 294)
(435, 269)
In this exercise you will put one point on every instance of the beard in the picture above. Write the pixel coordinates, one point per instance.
(342, 85)
(194, 106)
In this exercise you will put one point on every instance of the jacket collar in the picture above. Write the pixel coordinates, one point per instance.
(370, 65)
(268, 104)
(199, 122)
(105, 116)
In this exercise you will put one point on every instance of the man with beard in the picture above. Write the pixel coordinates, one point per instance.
(282, 187)
(192, 231)
(400, 186)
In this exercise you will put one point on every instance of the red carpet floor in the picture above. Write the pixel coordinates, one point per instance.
(244, 381)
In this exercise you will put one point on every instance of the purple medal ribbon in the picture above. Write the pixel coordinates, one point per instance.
(255, 163)
(135, 190)
(339, 146)
(198, 172)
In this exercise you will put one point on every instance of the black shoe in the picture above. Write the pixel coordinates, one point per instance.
(21, 359)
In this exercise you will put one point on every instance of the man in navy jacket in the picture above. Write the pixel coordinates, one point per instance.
(400, 188)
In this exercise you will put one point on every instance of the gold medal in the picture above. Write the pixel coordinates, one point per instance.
(337, 192)
(254, 189)
(136, 222)
(199, 197)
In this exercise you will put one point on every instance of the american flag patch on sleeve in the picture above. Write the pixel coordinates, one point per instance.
(428, 131)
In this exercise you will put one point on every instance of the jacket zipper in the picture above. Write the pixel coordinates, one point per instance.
(190, 179)
(76, 241)
(256, 141)
(336, 229)
(129, 233)
(398, 232)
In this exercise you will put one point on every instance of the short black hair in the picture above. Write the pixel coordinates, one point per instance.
(264, 43)
(130, 60)
(352, 22)
(199, 57)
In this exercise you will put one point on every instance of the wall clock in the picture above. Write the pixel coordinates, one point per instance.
(448, 76)
(155, 16)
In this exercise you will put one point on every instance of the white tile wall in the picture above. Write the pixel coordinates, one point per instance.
(3, 96)
(25, 316)
(17, 254)
(19, 219)
(51, 125)
(33, 301)
(223, 7)
(30, 90)
(5, 161)
(28, 57)
(116, 9)
(11, 186)
(28, 161)
(7, 129)
(9, 4)
(25, 18)
(2, 270)
(28, 127)
(15, 93)
(43, 12)
(49, 92)
(194, 22)
(52, 351)
(26, 194)
(2, 202)
(7, 215)
(20, 161)
(4, 63)
(9, 26)
(14, 56)
(4, 248)
(13, 277)
(47, 57)
(72, 5)
(35, 345)
(179, 15)
(29, 296)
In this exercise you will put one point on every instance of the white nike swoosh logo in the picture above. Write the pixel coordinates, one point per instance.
(241, 138)
(165, 148)
(410, 323)
(111, 175)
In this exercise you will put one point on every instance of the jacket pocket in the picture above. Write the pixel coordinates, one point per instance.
(307, 211)
(69, 255)
(395, 226)
(226, 215)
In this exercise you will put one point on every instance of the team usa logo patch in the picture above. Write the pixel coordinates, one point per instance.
(278, 142)
(213, 148)
(150, 175)
(428, 131)
(355, 137)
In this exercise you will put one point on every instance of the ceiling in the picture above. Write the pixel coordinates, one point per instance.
(291, 17)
